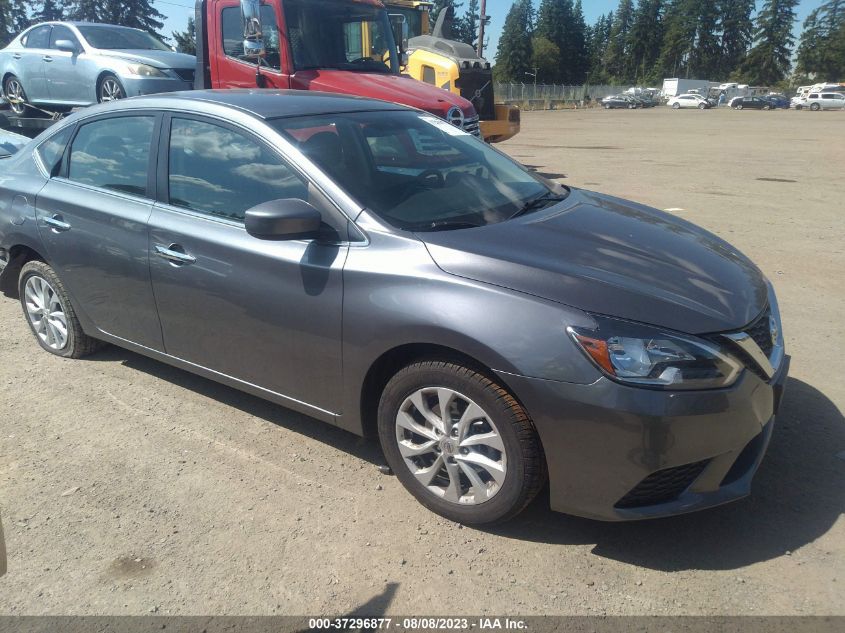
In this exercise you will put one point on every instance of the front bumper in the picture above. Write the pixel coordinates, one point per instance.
(618, 453)
(136, 86)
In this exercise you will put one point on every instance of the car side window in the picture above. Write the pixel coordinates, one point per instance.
(233, 35)
(113, 153)
(50, 151)
(827, 96)
(221, 172)
(62, 33)
(38, 37)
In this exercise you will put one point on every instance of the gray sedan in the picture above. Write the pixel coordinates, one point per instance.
(381, 270)
(67, 64)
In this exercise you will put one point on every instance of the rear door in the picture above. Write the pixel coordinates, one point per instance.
(267, 313)
(31, 63)
(229, 68)
(92, 217)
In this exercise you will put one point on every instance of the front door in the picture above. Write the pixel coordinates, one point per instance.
(265, 312)
(67, 73)
(229, 68)
(93, 220)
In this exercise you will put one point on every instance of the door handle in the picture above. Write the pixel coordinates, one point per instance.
(47, 58)
(57, 223)
(175, 254)
(16, 56)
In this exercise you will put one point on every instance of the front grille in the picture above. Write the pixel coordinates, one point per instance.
(476, 86)
(760, 332)
(663, 486)
(187, 74)
(472, 126)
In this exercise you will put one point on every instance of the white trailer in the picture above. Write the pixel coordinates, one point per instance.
(675, 86)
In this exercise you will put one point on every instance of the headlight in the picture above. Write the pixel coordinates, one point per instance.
(143, 70)
(647, 356)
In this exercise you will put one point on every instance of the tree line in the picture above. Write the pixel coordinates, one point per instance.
(17, 15)
(643, 42)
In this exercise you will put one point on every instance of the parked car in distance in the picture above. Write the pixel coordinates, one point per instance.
(822, 101)
(10, 143)
(377, 268)
(778, 101)
(68, 64)
(689, 101)
(619, 101)
(751, 103)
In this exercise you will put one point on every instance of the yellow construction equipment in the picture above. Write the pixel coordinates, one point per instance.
(436, 58)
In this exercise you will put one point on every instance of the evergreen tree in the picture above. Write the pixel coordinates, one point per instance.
(680, 28)
(576, 54)
(48, 10)
(821, 51)
(88, 10)
(646, 37)
(186, 41)
(138, 14)
(706, 53)
(736, 31)
(769, 61)
(545, 58)
(597, 40)
(552, 26)
(513, 59)
(617, 61)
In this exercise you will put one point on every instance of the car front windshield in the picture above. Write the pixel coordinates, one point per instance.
(418, 172)
(330, 34)
(121, 38)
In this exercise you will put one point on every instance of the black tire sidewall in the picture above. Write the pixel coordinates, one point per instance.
(42, 270)
(510, 498)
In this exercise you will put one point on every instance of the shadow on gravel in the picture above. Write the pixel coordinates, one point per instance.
(252, 405)
(797, 496)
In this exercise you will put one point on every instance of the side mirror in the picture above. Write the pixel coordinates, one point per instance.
(284, 219)
(66, 46)
(400, 32)
(253, 31)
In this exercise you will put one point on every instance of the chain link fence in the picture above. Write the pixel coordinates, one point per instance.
(552, 96)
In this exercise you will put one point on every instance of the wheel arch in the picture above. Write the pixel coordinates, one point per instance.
(389, 362)
(18, 256)
(102, 75)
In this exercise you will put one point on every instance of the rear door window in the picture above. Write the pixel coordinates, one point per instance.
(113, 153)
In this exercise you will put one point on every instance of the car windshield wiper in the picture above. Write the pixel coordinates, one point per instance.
(445, 225)
(538, 202)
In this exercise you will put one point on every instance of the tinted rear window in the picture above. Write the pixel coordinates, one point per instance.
(38, 38)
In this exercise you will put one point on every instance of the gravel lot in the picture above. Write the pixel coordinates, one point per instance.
(129, 487)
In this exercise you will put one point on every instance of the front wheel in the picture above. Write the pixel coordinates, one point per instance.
(701, 106)
(50, 315)
(460, 443)
(739, 106)
(767, 107)
(815, 107)
(676, 106)
(110, 89)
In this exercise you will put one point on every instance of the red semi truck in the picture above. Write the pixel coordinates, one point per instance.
(343, 46)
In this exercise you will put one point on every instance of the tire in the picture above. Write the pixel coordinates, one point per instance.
(739, 106)
(518, 471)
(767, 107)
(815, 107)
(607, 106)
(676, 106)
(15, 95)
(109, 88)
(41, 289)
(701, 106)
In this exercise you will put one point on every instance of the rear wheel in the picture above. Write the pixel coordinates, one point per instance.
(15, 94)
(676, 106)
(460, 443)
(765, 107)
(110, 89)
(50, 315)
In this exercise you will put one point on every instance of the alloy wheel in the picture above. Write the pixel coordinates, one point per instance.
(16, 96)
(46, 313)
(110, 90)
(451, 445)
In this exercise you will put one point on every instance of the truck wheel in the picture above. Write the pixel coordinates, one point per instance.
(460, 443)
(110, 89)
(50, 314)
(16, 96)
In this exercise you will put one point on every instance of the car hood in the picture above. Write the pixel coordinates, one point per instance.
(395, 88)
(614, 257)
(158, 59)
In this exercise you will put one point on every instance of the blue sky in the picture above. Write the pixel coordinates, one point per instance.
(178, 11)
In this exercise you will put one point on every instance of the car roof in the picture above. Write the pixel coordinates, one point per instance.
(262, 103)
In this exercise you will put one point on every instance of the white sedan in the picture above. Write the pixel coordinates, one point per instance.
(688, 101)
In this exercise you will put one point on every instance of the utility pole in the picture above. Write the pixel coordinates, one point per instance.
(481, 20)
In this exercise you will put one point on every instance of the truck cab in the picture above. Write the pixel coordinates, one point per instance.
(342, 46)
